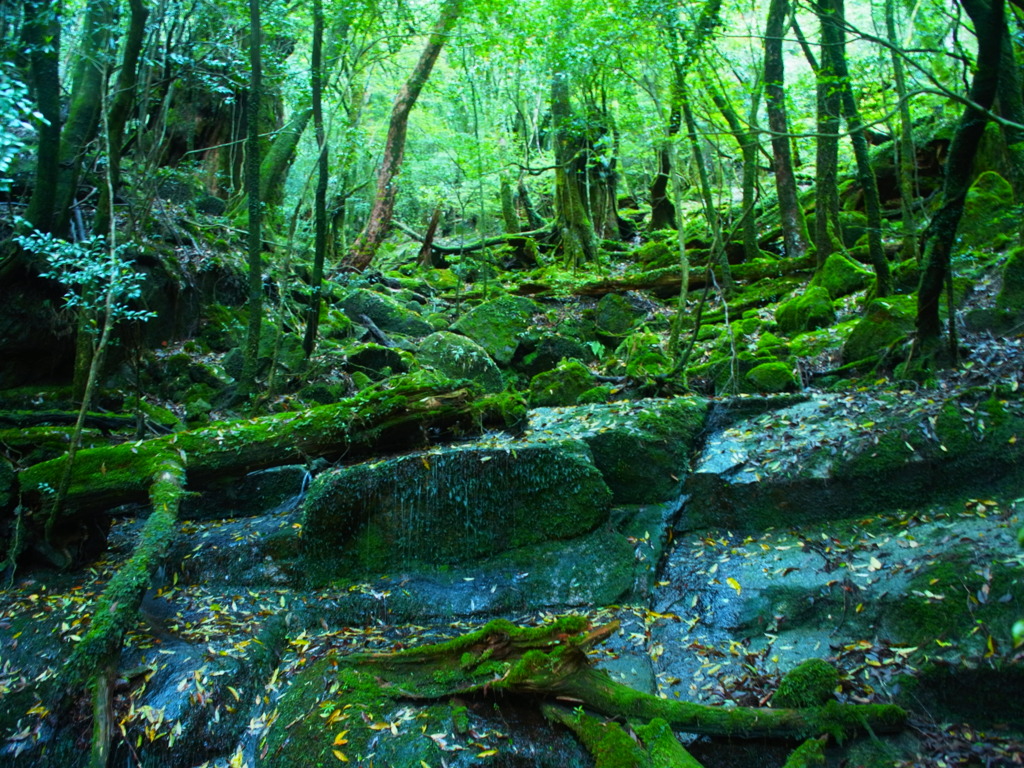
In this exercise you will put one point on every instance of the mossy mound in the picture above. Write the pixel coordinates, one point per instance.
(807, 312)
(640, 355)
(386, 313)
(562, 385)
(458, 357)
(841, 275)
(885, 323)
(772, 377)
(496, 325)
(810, 684)
(376, 361)
(990, 219)
(1011, 295)
(550, 349)
(614, 316)
(656, 255)
(452, 505)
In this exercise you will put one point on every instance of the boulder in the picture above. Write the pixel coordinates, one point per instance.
(496, 325)
(885, 322)
(561, 386)
(813, 309)
(614, 316)
(840, 275)
(458, 357)
(989, 220)
(386, 313)
(772, 377)
(451, 505)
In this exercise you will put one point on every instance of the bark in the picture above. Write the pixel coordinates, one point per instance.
(41, 34)
(508, 208)
(365, 247)
(120, 110)
(574, 226)
(533, 219)
(906, 160)
(320, 195)
(831, 13)
(426, 255)
(552, 661)
(794, 226)
(1011, 106)
(827, 231)
(254, 304)
(663, 212)
(375, 420)
(990, 28)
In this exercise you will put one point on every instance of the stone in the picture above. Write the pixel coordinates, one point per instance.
(614, 316)
(841, 275)
(386, 313)
(550, 350)
(813, 309)
(497, 325)
(989, 220)
(772, 377)
(452, 505)
(376, 361)
(562, 385)
(458, 357)
(885, 322)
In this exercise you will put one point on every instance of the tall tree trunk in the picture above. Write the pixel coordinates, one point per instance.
(794, 226)
(365, 247)
(41, 34)
(120, 110)
(320, 195)
(84, 110)
(990, 29)
(508, 208)
(906, 161)
(247, 379)
(831, 13)
(1011, 106)
(571, 219)
(827, 231)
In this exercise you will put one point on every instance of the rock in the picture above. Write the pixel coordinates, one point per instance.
(772, 377)
(8, 485)
(807, 312)
(641, 354)
(642, 447)
(496, 325)
(458, 357)
(614, 316)
(376, 361)
(386, 313)
(841, 275)
(989, 220)
(1011, 295)
(550, 350)
(561, 386)
(268, 491)
(885, 322)
(452, 505)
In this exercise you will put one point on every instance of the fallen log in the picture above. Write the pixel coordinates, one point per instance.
(378, 419)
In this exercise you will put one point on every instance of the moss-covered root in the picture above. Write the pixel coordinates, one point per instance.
(95, 658)
(808, 754)
(607, 741)
(663, 746)
(602, 694)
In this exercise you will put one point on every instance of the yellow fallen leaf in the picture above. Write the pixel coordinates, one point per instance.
(340, 755)
(340, 739)
(488, 753)
(735, 585)
(874, 564)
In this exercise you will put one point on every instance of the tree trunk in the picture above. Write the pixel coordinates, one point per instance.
(794, 226)
(906, 159)
(508, 208)
(827, 231)
(663, 213)
(376, 229)
(1011, 106)
(320, 195)
(41, 34)
(572, 222)
(120, 110)
(990, 29)
(247, 379)
(831, 13)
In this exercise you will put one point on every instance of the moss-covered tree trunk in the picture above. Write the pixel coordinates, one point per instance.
(794, 225)
(827, 233)
(831, 13)
(365, 247)
(906, 160)
(990, 28)
(572, 222)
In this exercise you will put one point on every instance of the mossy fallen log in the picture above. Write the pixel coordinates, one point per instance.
(551, 661)
(376, 420)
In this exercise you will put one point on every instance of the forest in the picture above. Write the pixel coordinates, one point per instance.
(563, 383)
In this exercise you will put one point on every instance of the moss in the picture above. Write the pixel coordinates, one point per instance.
(656, 255)
(772, 377)
(614, 316)
(601, 394)
(989, 219)
(809, 684)
(387, 313)
(885, 323)
(813, 309)
(458, 357)
(641, 354)
(496, 325)
(561, 386)
(811, 752)
(1011, 295)
(841, 275)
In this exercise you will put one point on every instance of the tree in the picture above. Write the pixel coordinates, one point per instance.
(320, 195)
(365, 247)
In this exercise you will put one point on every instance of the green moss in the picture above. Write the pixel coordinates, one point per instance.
(813, 309)
(1011, 295)
(561, 386)
(809, 684)
(601, 394)
(885, 323)
(641, 354)
(811, 752)
(614, 316)
(841, 275)
(989, 219)
(772, 377)
(656, 255)
(458, 357)
(496, 325)
(388, 314)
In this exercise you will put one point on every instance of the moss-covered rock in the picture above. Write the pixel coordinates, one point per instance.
(386, 313)
(1011, 295)
(451, 506)
(496, 325)
(7, 485)
(813, 309)
(376, 360)
(841, 275)
(989, 220)
(562, 385)
(641, 354)
(458, 357)
(614, 316)
(885, 322)
(550, 349)
(772, 377)
(810, 684)
(655, 255)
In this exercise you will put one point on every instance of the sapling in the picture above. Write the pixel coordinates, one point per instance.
(101, 284)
